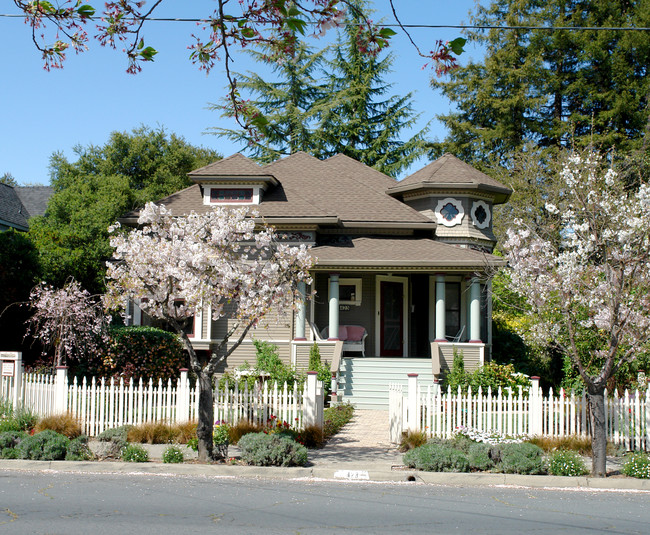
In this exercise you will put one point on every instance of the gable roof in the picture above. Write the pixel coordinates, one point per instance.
(12, 212)
(448, 172)
(234, 165)
(35, 198)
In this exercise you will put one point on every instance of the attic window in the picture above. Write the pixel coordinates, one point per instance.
(234, 195)
(449, 212)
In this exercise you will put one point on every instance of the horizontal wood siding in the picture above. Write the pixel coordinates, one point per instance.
(246, 352)
(471, 356)
(302, 354)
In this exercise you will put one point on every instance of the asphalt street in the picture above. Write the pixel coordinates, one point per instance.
(52, 502)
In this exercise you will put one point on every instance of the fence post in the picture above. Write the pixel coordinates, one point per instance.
(412, 402)
(311, 401)
(61, 390)
(182, 398)
(535, 408)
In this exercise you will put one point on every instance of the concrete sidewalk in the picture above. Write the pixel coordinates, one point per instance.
(360, 452)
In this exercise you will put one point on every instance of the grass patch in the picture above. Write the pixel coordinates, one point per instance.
(412, 439)
(64, 424)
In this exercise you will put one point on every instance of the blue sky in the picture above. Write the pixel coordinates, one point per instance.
(44, 112)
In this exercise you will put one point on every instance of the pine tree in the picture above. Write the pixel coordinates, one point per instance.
(551, 88)
(291, 105)
(362, 125)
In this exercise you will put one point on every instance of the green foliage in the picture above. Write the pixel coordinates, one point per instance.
(25, 418)
(101, 185)
(19, 272)
(45, 446)
(321, 368)
(134, 453)
(335, 418)
(78, 450)
(566, 463)
(437, 458)
(221, 433)
(524, 458)
(261, 449)
(9, 425)
(116, 435)
(479, 457)
(637, 465)
(10, 439)
(490, 375)
(6, 408)
(173, 455)
(142, 352)
(268, 367)
(550, 88)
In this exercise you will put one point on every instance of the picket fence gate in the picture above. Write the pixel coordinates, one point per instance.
(526, 412)
(102, 404)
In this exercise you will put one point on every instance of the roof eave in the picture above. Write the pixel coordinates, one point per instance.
(253, 179)
(502, 194)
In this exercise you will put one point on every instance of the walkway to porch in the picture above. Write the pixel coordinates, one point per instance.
(361, 442)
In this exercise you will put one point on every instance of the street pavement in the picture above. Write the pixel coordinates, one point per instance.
(360, 452)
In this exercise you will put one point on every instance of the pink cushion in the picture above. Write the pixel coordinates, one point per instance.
(343, 332)
(355, 333)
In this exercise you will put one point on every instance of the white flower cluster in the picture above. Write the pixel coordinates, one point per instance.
(489, 437)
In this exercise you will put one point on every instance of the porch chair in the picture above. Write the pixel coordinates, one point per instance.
(456, 339)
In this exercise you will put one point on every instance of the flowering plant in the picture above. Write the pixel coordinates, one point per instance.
(489, 437)
(220, 434)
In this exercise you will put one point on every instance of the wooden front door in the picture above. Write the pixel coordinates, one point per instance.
(391, 324)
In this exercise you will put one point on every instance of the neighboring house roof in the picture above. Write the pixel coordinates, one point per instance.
(12, 212)
(399, 253)
(35, 198)
(448, 172)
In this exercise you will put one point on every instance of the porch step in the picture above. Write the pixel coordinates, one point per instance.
(363, 382)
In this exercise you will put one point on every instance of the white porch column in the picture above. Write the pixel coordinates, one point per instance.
(440, 309)
(301, 313)
(333, 327)
(475, 311)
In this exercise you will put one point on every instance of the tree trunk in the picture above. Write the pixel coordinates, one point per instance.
(596, 398)
(205, 424)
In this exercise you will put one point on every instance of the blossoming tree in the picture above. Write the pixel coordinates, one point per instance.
(590, 289)
(68, 319)
(175, 267)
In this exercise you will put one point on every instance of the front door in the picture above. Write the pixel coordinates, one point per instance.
(391, 324)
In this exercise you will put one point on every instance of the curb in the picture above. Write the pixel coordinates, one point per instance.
(332, 472)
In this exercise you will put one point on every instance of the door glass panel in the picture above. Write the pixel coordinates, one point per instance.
(392, 301)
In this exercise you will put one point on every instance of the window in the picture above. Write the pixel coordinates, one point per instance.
(481, 214)
(349, 292)
(449, 212)
(226, 195)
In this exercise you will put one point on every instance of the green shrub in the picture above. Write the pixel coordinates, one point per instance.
(335, 418)
(524, 458)
(25, 418)
(173, 455)
(491, 375)
(142, 352)
(321, 368)
(9, 453)
(45, 446)
(10, 439)
(114, 434)
(9, 425)
(566, 463)
(134, 453)
(479, 457)
(6, 409)
(78, 450)
(260, 449)
(437, 458)
(637, 465)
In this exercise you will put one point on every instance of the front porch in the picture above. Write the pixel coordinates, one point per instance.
(409, 316)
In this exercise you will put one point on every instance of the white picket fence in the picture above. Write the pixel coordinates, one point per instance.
(441, 413)
(104, 404)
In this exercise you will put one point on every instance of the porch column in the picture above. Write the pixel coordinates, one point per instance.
(440, 309)
(333, 327)
(301, 313)
(475, 311)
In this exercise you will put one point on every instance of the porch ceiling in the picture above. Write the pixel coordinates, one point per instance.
(401, 253)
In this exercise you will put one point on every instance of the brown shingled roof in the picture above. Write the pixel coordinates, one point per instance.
(237, 164)
(449, 172)
(401, 252)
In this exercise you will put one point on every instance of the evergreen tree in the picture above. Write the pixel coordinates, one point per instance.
(362, 125)
(325, 107)
(551, 88)
(291, 105)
